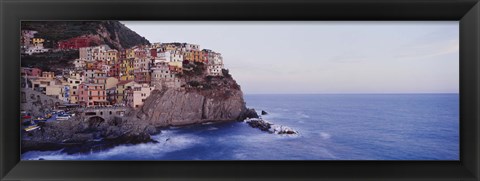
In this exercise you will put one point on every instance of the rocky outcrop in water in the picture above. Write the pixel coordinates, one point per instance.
(79, 135)
(269, 127)
(264, 112)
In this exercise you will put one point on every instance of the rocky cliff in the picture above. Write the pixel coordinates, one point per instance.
(180, 107)
(202, 99)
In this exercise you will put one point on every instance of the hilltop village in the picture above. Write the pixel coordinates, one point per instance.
(103, 76)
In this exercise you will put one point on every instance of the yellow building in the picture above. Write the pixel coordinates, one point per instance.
(74, 85)
(176, 64)
(121, 86)
(111, 82)
(90, 65)
(169, 47)
(37, 41)
(126, 70)
(48, 74)
(189, 56)
(198, 56)
(130, 53)
(112, 56)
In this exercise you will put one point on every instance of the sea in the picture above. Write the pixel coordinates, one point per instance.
(330, 127)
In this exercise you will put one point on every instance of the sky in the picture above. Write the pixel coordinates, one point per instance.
(328, 57)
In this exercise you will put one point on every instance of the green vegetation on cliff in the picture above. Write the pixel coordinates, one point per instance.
(112, 33)
(50, 61)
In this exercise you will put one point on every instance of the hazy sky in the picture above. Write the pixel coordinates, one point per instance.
(325, 57)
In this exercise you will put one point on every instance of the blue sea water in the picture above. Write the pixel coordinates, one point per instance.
(330, 126)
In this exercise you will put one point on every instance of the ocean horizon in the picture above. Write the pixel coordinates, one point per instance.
(359, 126)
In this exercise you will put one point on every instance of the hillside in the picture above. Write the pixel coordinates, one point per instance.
(51, 61)
(113, 33)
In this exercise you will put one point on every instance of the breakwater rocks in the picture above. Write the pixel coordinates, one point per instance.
(269, 127)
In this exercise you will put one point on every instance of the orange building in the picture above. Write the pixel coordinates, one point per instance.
(198, 56)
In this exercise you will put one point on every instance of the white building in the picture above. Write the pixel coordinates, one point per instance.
(92, 74)
(137, 94)
(74, 84)
(79, 64)
(190, 47)
(141, 64)
(106, 68)
(94, 53)
(214, 70)
(172, 57)
(36, 49)
(57, 91)
(162, 77)
(26, 38)
(215, 64)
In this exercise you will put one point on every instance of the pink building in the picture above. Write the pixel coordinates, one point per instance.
(92, 95)
(31, 72)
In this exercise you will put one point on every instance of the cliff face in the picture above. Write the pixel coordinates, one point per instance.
(203, 99)
(112, 33)
(177, 108)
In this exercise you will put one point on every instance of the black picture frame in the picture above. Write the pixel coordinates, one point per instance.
(465, 11)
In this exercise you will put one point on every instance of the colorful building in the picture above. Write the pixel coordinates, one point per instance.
(114, 70)
(137, 94)
(163, 77)
(38, 41)
(74, 84)
(111, 82)
(120, 91)
(30, 72)
(127, 70)
(75, 43)
(26, 38)
(112, 57)
(92, 95)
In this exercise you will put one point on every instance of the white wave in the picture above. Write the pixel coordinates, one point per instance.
(302, 115)
(168, 141)
(325, 135)
(212, 128)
